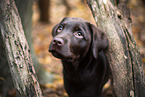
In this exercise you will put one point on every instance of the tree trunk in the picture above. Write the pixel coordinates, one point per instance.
(18, 52)
(25, 11)
(44, 6)
(125, 62)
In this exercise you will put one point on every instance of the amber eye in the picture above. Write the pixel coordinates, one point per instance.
(59, 28)
(78, 34)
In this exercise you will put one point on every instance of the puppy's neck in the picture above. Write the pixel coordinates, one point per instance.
(78, 65)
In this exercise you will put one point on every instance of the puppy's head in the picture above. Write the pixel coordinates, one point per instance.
(74, 37)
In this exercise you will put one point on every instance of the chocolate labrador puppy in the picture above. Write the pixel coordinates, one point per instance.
(79, 45)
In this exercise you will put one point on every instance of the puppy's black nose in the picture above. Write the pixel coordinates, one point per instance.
(58, 41)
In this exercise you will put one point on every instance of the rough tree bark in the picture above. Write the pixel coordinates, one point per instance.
(18, 52)
(125, 62)
(25, 11)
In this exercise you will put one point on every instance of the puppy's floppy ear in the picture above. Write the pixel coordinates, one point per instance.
(99, 40)
(56, 26)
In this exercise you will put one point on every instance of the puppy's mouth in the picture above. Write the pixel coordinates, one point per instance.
(59, 55)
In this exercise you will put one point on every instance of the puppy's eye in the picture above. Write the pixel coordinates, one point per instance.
(60, 28)
(78, 34)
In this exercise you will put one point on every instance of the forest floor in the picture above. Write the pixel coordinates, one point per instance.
(42, 36)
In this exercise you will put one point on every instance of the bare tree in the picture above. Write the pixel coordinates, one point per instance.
(123, 55)
(17, 51)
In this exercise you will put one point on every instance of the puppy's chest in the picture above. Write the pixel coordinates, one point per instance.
(85, 82)
(82, 77)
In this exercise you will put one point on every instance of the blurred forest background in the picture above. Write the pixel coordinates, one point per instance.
(57, 10)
